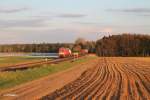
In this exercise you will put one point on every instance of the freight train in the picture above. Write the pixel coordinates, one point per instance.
(66, 52)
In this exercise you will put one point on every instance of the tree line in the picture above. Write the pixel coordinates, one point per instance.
(79, 44)
(124, 45)
(41, 48)
(115, 45)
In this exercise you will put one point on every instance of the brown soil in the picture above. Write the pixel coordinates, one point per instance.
(114, 78)
(38, 88)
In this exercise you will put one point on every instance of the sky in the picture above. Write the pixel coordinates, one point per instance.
(52, 21)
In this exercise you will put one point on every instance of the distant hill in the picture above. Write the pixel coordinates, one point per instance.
(124, 45)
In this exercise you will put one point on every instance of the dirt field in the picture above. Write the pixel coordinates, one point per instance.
(41, 87)
(111, 79)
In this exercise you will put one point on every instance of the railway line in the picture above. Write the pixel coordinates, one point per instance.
(112, 79)
(33, 64)
(36, 89)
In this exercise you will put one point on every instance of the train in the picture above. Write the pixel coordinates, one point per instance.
(66, 52)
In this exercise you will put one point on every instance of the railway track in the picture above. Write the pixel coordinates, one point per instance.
(33, 64)
(111, 79)
(35, 89)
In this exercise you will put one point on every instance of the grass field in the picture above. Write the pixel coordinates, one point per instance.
(11, 79)
(7, 61)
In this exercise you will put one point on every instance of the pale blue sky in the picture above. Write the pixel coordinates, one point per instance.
(30, 21)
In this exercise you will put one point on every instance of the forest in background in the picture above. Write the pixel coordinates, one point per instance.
(114, 45)
(124, 45)
(79, 44)
(39, 48)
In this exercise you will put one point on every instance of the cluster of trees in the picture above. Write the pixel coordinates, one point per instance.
(124, 45)
(81, 43)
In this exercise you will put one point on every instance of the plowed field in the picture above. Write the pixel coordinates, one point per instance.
(112, 78)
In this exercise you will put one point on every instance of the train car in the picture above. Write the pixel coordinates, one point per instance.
(64, 52)
(84, 51)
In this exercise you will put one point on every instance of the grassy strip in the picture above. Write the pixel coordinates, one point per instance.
(6, 61)
(11, 79)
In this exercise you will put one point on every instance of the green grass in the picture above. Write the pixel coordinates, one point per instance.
(6, 61)
(11, 79)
